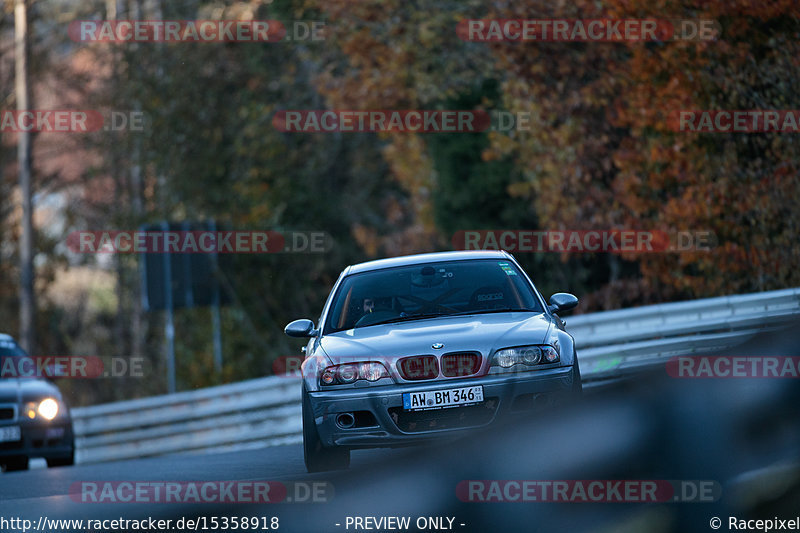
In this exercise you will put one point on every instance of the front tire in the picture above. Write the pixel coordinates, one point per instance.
(16, 463)
(319, 458)
(62, 461)
(577, 383)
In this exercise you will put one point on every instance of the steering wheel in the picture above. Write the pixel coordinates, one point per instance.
(376, 316)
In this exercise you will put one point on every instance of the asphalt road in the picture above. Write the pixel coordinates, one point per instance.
(649, 429)
(377, 484)
(30, 494)
(419, 483)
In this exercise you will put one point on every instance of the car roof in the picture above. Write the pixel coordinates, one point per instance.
(6, 337)
(426, 258)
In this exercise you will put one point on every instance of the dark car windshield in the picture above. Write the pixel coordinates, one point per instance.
(429, 290)
(9, 348)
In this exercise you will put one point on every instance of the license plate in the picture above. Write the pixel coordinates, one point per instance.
(10, 434)
(439, 399)
(54, 433)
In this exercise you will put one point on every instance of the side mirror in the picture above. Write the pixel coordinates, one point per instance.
(300, 328)
(562, 301)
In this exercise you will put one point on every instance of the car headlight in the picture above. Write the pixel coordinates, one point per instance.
(47, 409)
(527, 356)
(372, 371)
(352, 372)
(531, 355)
(504, 358)
(347, 373)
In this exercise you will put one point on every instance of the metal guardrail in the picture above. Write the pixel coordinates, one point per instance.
(266, 411)
(254, 413)
(613, 342)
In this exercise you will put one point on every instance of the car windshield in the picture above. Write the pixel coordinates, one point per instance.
(430, 290)
(9, 349)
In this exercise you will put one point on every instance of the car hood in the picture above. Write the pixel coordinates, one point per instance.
(26, 390)
(481, 332)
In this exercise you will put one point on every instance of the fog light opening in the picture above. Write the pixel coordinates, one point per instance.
(541, 400)
(345, 420)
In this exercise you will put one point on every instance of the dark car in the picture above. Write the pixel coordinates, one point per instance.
(425, 346)
(34, 420)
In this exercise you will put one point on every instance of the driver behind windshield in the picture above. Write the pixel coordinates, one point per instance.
(368, 306)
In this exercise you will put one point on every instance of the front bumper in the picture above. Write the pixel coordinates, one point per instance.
(50, 440)
(382, 422)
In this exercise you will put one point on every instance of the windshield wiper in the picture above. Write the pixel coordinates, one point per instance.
(405, 319)
(458, 313)
(502, 310)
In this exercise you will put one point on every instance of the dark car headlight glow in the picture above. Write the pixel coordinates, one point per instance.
(46, 408)
(352, 372)
(525, 357)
